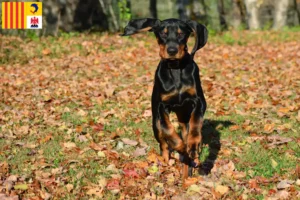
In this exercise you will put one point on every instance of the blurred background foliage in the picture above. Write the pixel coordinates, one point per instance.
(112, 15)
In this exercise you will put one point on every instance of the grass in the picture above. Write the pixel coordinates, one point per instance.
(76, 69)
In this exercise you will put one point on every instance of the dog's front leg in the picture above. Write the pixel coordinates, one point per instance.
(167, 136)
(194, 137)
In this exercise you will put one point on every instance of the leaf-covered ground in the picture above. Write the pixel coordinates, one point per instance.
(75, 119)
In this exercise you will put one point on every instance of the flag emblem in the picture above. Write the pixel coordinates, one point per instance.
(22, 15)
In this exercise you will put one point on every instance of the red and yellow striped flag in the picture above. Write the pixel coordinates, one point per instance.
(22, 15)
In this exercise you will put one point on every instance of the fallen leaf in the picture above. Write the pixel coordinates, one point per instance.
(112, 168)
(81, 113)
(98, 127)
(101, 154)
(21, 187)
(276, 140)
(129, 142)
(190, 181)
(274, 163)
(297, 171)
(98, 192)
(46, 51)
(234, 127)
(268, 128)
(4, 167)
(283, 185)
(283, 194)
(222, 189)
(69, 145)
(139, 152)
(298, 116)
(196, 189)
(69, 187)
(153, 169)
(113, 184)
(12, 178)
(147, 113)
(253, 184)
(130, 173)
(96, 147)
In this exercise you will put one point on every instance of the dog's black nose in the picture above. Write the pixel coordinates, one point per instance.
(172, 51)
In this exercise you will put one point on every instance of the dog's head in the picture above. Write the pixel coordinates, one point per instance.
(172, 35)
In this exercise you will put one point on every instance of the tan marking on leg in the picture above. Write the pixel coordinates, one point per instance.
(185, 173)
(194, 137)
(164, 147)
(172, 137)
(184, 132)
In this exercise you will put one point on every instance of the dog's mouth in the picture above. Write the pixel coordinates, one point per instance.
(173, 58)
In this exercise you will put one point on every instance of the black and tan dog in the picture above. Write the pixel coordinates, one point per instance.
(177, 87)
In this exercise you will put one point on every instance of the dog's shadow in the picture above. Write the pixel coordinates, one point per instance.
(211, 137)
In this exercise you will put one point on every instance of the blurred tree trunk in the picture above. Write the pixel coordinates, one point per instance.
(293, 15)
(182, 10)
(213, 14)
(153, 9)
(280, 14)
(297, 8)
(252, 14)
(232, 13)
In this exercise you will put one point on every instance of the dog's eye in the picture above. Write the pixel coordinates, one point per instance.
(180, 35)
(163, 34)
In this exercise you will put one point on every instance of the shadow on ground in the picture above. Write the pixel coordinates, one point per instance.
(211, 136)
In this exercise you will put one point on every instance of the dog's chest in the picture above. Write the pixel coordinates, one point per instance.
(178, 86)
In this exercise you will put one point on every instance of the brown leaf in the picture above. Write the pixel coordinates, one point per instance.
(69, 145)
(268, 128)
(283, 194)
(130, 173)
(298, 116)
(78, 129)
(147, 113)
(253, 184)
(154, 158)
(96, 147)
(283, 184)
(114, 135)
(190, 181)
(4, 167)
(98, 127)
(139, 152)
(129, 142)
(297, 171)
(113, 184)
(98, 192)
(275, 140)
(222, 189)
(234, 127)
(46, 51)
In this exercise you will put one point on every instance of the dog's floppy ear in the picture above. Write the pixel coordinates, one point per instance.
(201, 35)
(140, 25)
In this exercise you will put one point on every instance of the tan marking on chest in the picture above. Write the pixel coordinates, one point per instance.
(186, 89)
(166, 97)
